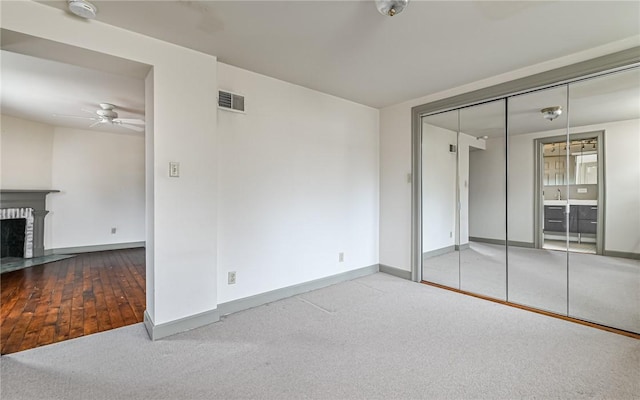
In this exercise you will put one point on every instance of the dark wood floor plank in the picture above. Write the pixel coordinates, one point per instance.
(89, 293)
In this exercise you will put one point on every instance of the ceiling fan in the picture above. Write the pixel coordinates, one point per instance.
(107, 115)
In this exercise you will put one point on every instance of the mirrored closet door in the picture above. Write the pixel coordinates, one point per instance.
(535, 199)
(537, 195)
(604, 194)
(482, 189)
(440, 218)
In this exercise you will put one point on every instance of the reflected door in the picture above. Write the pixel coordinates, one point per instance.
(482, 190)
(604, 265)
(537, 170)
(440, 224)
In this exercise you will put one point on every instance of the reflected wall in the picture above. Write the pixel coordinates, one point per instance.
(482, 185)
(440, 219)
(537, 210)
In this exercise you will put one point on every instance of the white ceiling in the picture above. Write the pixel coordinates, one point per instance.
(42, 90)
(346, 48)
(609, 98)
(343, 48)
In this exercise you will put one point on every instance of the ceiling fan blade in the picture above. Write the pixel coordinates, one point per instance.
(132, 127)
(88, 111)
(72, 116)
(130, 121)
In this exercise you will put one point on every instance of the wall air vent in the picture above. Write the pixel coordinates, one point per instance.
(230, 101)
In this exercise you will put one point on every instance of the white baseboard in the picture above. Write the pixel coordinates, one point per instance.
(91, 249)
(278, 294)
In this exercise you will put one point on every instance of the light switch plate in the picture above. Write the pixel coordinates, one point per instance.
(174, 169)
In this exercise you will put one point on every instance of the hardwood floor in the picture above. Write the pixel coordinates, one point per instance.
(89, 293)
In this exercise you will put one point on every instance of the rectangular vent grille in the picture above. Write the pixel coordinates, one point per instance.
(230, 101)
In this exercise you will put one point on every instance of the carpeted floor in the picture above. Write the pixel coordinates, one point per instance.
(377, 337)
(600, 289)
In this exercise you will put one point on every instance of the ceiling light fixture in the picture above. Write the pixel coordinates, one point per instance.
(82, 8)
(391, 7)
(551, 113)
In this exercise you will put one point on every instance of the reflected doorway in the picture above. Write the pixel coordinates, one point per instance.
(570, 188)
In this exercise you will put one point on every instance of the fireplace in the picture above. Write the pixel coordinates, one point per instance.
(22, 215)
(12, 243)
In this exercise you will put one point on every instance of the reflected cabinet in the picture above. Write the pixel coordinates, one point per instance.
(534, 198)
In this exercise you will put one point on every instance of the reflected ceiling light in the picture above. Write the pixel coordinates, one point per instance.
(551, 113)
(82, 8)
(391, 7)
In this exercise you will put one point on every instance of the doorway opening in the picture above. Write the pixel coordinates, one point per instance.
(83, 270)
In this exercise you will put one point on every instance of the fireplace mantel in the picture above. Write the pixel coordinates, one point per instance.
(35, 199)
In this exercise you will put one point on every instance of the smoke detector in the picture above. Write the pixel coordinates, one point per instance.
(82, 8)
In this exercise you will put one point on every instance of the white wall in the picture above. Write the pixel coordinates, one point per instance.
(183, 252)
(465, 144)
(439, 221)
(395, 188)
(395, 153)
(26, 150)
(442, 225)
(487, 192)
(100, 176)
(101, 181)
(298, 183)
(622, 185)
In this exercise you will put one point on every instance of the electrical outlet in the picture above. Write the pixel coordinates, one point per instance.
(231, 277)
(113, 231)
(340, 257)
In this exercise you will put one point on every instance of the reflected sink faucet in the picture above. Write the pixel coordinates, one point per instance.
(558, 195)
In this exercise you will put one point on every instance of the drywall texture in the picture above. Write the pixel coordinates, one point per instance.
(298, 184)
(26, 154)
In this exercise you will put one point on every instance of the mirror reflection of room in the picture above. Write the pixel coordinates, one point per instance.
(570, 176)
(535, 199)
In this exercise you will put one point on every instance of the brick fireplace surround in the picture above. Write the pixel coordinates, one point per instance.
(18, 204)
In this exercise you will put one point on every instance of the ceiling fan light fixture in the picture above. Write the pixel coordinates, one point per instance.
(551, 113)
(82, 8)
(391, 7)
